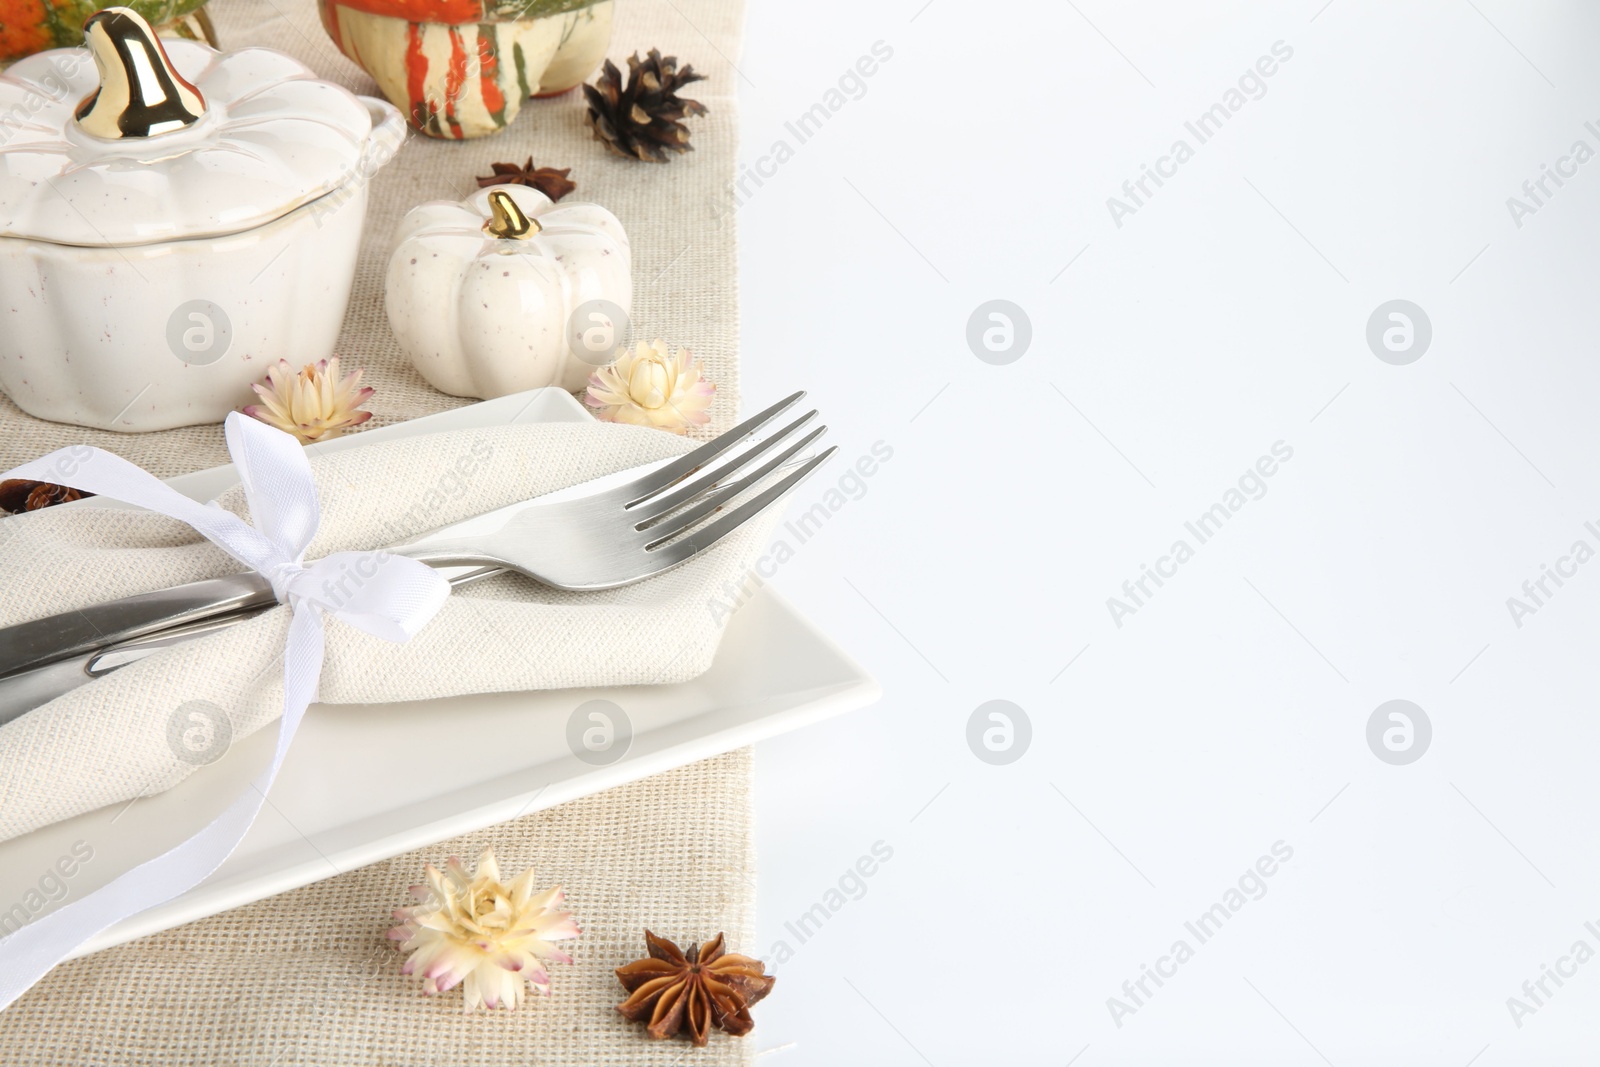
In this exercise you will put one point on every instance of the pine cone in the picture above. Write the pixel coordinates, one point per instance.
(642, 121)
(18, 495)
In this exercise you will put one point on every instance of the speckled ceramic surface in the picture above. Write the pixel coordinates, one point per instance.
(272, 137)
(482, 315)
(198, 220)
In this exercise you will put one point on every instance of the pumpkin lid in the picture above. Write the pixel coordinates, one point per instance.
(134, 140)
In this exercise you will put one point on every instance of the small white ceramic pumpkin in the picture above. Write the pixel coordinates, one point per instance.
(481, 294)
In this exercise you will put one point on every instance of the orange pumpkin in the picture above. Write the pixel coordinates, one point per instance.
(29, 26)
(461, 68)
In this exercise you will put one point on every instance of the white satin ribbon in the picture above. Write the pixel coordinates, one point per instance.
(388, 596)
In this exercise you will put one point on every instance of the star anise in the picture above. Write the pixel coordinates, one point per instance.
(548, 180)
(19, 494)
(706, 988)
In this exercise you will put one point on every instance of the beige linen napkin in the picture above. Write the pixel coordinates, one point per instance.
(107, 742)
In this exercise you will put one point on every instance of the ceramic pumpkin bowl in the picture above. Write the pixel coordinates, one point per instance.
(482, 294)
(172, 220)
(29, 26)
(461, 68)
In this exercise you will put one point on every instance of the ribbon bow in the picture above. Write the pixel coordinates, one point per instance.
(388, 596)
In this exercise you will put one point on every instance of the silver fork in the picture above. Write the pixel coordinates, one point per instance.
(612, 531)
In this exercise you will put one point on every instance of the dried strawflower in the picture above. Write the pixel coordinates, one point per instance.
(650, 386)
(475, 928)
(313, 405)
(705, 988)
(548, 180)
(19, 494)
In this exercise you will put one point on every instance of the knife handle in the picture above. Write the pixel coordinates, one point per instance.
(21, 693)
(43, 641)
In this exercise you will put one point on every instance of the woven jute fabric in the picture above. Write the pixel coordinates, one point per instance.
(306, 977)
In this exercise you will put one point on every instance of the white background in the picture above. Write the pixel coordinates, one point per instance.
(1228, 313)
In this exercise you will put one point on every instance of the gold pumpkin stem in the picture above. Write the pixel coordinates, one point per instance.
(141, 94)
(509, 221)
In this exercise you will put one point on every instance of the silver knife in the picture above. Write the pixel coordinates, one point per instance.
(22, 692)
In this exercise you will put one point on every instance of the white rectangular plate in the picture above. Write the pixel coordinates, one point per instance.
(350, 794)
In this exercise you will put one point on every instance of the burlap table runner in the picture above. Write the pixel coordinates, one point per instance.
(306, 977)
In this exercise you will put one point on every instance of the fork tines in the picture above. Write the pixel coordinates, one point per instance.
(673, 499)
(665, 477)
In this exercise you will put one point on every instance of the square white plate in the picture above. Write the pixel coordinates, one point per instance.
(344, 797)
